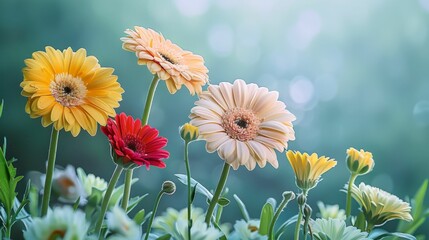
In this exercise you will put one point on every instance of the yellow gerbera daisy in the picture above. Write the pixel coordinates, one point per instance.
(379, 206)
(308, 168)
(70, 90)
(359, 162)
(164, 58)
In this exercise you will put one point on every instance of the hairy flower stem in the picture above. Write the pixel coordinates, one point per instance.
(286, 198)
(155, 208)
(219, 188)
(349, 194)
(145, 119)
(300, 213)
(106, 199)
(188, 174)
(50, 170)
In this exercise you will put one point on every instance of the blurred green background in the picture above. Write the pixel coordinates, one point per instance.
(355, 73)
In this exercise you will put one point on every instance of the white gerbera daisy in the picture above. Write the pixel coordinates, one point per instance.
(60, 223)
(246, 231)
(121, 226)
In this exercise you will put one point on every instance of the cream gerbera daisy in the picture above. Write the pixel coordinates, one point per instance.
(243, 123)
(308, 168)
(164, 58)
(70, 90)
(379, 206)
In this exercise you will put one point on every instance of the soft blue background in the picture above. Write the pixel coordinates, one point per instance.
(355, 73)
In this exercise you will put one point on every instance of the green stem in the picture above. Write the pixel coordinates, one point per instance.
(298, 223)
(145, 119)
(219, 211)
(188, 173)
(106, 199)
(149, 99)
(8, 227)
(277, 215)
(219, 188)
(349, 194)
(301, 209)
(127, 189)
(50, 170)
(149, 226)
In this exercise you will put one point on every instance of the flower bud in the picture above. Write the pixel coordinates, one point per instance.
(168, 187)
(307, 211)
(288, 195)
(359, 162)
(302, 199)
(189, 132)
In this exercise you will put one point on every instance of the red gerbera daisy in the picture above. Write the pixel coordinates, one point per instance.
(133, 143)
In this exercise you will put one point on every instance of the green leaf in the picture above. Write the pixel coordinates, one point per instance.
(118, 192)
(419, 213)
(381, 233)
(281, 230)
(8, 183)
(164, 237)
(134, 201)
(200, 188)
(360, 222)
(223, 201)
(33, 196)
(76, 204)
(139, 217)
(193, 191)
(267, 214)
(1, 110)
(242, 207)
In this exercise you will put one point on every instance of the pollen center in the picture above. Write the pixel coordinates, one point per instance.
(240, 124)
(69, 91)
(166, 58)
(133, 143)
(57, 234)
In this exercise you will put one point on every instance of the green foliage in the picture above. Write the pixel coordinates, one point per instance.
(381, 233)
(242, 208)
(418, 211)
(282, 229)
(1, 107)
(134, 201)
(139, 217)
(164, 237)
(267, 214)
(10, 206)
(199, 187)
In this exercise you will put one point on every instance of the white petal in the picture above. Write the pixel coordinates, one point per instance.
(243, 154)
(226, 91)
(239, 90)
(215, 140)
(210, 128)
(205, 113)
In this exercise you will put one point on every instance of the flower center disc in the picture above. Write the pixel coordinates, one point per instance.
(134, 144)
(240, 124)
(69, 91)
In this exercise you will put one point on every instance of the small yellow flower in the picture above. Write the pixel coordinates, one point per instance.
(359, 162)
(379, 206)
(189, 132)
(308, 168)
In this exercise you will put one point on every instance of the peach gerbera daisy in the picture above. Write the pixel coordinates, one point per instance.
(70, 90)
(244, 123)
(164, 58)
